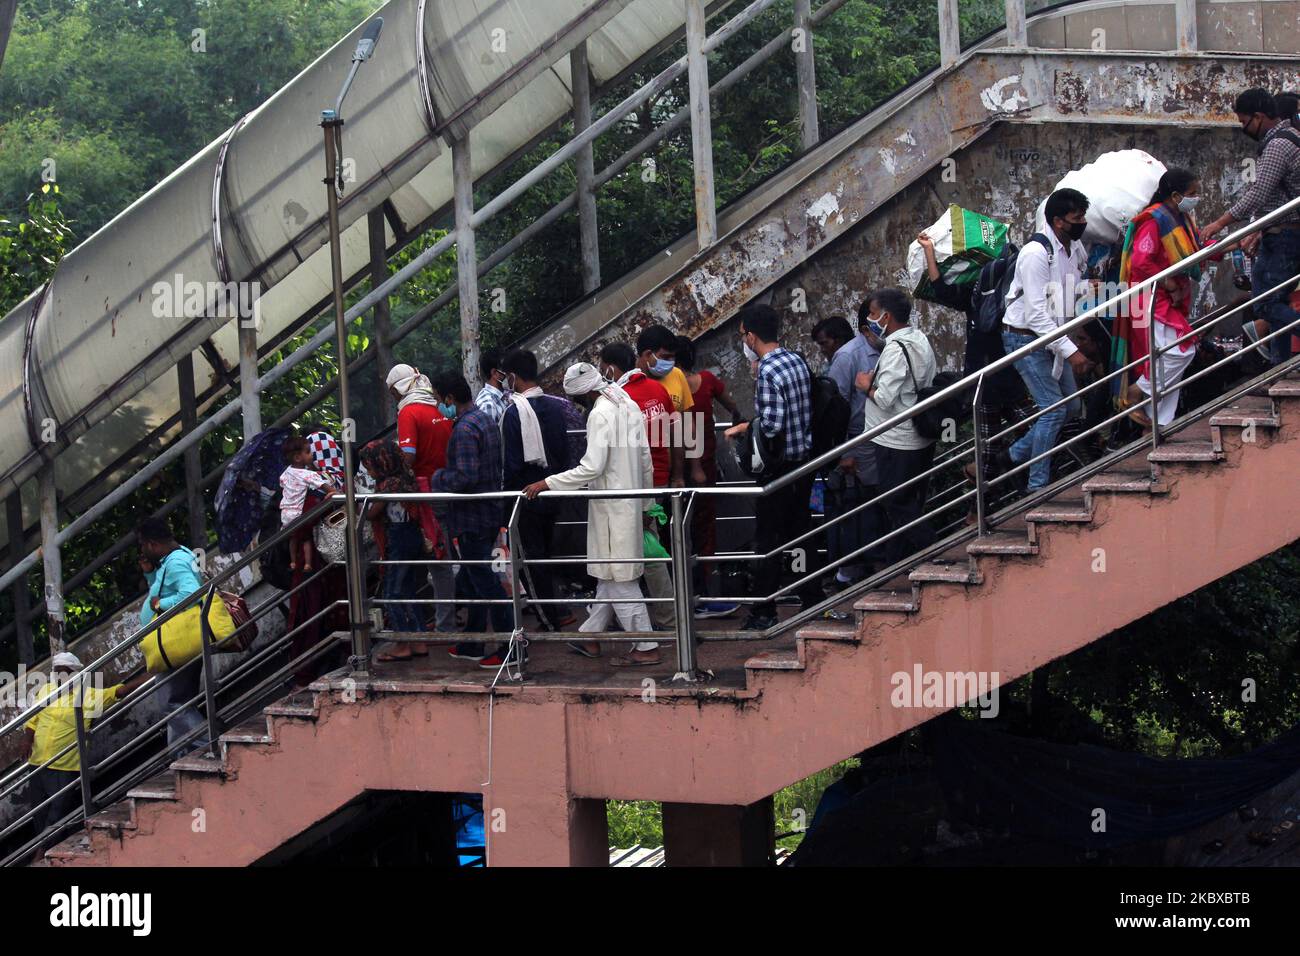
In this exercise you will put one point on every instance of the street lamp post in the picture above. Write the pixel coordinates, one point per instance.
(332, 124)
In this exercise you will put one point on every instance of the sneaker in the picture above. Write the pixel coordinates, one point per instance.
(498, 657)
(706, 609)
(468, 651)
(759, 622)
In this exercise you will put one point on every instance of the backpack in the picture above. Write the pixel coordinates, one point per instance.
(989, 298)
(1291, 136)
(929, 423)
(830, 415)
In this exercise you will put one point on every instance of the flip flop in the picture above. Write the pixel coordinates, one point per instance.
(579, 649)
(387, 657)
(633, 662)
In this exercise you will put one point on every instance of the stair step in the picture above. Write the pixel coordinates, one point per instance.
(1001, 543)
(935, 573)
(118, 816)
(198, 763)
(1185, 451)
(1243, 414)
(302, 705)
(1060, 512)
(1286, 388)
(784, 660)
(1125, 482)
(254, 731)
(159, 787)
(75, 847)
(903, 601)
(829, 631)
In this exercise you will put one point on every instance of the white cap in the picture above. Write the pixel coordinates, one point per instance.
(66, 659)
(582, 378)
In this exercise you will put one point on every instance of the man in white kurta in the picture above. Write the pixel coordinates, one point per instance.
(617, 458)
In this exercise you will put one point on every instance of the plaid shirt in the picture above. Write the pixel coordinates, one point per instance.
(1277, 178)
(473, 466)
(492, 402)
(783, 401)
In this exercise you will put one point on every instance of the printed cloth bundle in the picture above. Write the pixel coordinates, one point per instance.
(963, 242)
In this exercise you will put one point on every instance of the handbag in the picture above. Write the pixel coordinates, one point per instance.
(929, 423)
(330, 535)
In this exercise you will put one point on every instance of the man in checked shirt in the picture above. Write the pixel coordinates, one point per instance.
(783, 407)
(1277, 182)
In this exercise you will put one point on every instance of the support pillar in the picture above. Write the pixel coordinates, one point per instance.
(709, 834)
(250, 400)
(53, 561)
(1017, 32)
(383, 312)
(949, 33)
(194, 508)
(462, 174)
(18, 591)
(585, 167)
(1185, 25)
(706, 214)
(805, 59)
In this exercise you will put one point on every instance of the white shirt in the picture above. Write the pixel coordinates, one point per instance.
(1043, 289)
(894, 388)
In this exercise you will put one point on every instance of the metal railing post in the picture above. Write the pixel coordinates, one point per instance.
(1185, 25)
(51, 557)
(18, 591)
(684, 607)
(981, 505)
(706, 213)
(805, 58)
(195, 514)
(949, 33)
(1017, 32)
(209, 683)
(516, 573)
(1153, 364)
(462, 173)
(585, 167)
(83, 750)
(383, 313)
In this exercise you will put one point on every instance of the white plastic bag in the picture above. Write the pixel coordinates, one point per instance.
(1118, 186)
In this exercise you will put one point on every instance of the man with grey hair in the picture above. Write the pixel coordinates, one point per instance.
(50, 738)
(617, 459)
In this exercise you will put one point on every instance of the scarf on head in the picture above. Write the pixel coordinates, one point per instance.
(326, 456)
(415, 388)
(530, 430)
(584, 377)
(387, 466)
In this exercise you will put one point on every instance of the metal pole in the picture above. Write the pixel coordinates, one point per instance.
(516, 574)
(462, 174)
(1017, 32)
(806, 66)
(209, 682)
(949, 33)
(18, 591)
(193, 463)
(83, 750)
(981, 509)
(1152, 365)
(697, 68)
(585, 167)
(383, 311)
(250, 400)
(679, 534)
(1185, 25)
(51, 557)
(357, 622)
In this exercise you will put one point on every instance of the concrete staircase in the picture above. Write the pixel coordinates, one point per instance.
(547, 753)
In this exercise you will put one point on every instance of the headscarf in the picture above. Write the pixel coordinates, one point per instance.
(326, 456)
(66, 659)
(583, 377)
(387, 465)
(530, 430)
(415, 388)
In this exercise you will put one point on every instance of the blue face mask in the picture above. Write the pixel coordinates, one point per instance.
(662, 367)
(448, 411)
(876, 329)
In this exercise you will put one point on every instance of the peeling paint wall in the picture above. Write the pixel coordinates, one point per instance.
(1004, 175)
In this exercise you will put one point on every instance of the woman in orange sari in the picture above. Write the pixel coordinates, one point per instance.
(1159, 237)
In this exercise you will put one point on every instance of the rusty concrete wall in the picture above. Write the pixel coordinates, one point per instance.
(1005, 175)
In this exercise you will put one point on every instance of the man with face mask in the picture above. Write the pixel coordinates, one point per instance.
(1041, 298)
(491, 398)
(656, 357)
(1277, 182)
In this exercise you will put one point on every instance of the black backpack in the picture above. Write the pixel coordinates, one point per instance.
(830, 415)
(989, 298)
(929, 423)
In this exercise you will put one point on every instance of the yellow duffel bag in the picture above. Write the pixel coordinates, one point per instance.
(179, 640)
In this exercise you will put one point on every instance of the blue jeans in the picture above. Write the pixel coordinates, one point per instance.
(1278, 259)
(405, 543)
(480, 581)
(1036, 370)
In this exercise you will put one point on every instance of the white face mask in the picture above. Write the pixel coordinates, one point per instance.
(1188, 203)
(749, 353)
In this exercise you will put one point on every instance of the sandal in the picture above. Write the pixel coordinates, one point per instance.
(579, 649)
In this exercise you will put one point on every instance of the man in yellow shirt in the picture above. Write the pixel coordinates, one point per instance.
(51, 737)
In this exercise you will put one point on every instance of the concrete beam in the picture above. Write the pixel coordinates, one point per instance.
(585, 167)
(462, 171)
(706, 211)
